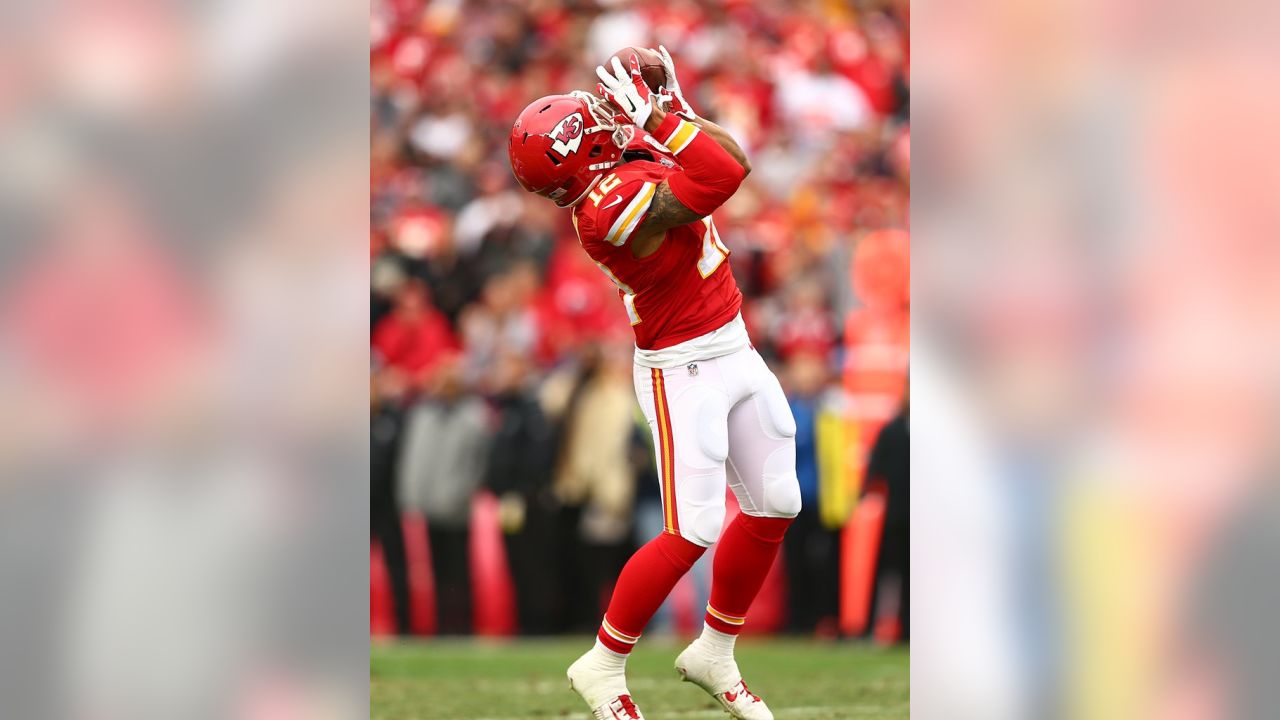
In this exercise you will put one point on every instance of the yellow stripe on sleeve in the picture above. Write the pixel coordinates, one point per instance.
(630, 218)
(680, 138)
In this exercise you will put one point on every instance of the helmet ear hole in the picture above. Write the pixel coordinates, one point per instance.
(595, 151)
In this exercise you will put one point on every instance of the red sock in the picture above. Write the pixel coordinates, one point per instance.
(645, 582)
(743, 559)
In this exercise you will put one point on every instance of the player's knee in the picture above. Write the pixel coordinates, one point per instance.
(700, 498)
(708, 520)
(782, 495)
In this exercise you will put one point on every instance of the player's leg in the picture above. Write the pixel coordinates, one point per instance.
(762, 474)
(688, 416)
(762, 464)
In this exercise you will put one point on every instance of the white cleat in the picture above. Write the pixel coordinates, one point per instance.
(603, 689)
(719, 676)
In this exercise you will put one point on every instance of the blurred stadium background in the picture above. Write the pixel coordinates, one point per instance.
(183, 361)
(511, 472)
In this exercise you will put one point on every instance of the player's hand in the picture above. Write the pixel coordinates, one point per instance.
(670, 96)
(627, 90)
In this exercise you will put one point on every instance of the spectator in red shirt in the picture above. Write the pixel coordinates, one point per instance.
(415, 336)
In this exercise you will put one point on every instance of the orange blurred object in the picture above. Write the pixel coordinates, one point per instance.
(492, 590)
(861, 540)
(882, 270)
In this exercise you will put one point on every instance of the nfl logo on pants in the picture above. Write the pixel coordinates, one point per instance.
(693, 368)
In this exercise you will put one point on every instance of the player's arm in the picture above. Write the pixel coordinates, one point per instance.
(713, 166)
(724, 140)
(710, 174)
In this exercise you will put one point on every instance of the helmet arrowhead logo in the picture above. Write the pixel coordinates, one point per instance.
(566, 136)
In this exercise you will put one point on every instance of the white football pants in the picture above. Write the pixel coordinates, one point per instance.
(717, 421)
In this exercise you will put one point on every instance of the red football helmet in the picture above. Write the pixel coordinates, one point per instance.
(561, 145)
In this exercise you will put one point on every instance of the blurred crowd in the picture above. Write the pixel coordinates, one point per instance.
(502, 356)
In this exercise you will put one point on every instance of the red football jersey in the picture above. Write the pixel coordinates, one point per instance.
(678, 293)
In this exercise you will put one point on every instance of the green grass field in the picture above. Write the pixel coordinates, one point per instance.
(474, 680)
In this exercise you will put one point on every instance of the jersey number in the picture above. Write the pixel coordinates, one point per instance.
(606, 186)
(713, 251)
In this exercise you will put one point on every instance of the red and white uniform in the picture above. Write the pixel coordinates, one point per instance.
(718, 415)
(678, 293)
(708, 395)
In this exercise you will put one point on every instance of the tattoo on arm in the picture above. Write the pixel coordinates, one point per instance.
(665, 212)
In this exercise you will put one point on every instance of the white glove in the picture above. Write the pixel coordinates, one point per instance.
(670, 93)
(626, 90)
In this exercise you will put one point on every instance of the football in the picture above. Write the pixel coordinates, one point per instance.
(651, 68)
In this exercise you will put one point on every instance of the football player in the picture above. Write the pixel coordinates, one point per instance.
(642, 175)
